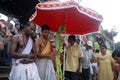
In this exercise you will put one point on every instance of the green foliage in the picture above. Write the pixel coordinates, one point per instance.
(62, 29)
(59, 49)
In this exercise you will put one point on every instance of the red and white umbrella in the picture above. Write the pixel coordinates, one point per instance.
(76, 18)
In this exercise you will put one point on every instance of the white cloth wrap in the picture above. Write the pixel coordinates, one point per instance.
(46, 69)
(24, 71)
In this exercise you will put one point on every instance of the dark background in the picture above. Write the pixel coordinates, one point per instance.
(21, 9)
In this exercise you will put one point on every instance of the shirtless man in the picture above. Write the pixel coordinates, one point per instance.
(45, 55)
(23, 66)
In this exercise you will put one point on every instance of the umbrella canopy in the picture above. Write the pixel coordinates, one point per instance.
(77, 19)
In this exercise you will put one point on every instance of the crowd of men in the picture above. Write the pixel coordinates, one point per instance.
(33, 58)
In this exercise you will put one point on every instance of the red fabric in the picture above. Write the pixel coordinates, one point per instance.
(84, 39)
(77, 19)
(1, 25)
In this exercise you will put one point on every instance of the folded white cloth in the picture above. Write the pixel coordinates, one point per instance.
(50, 72)
(46, 69)
(24, 72)
(28, 47)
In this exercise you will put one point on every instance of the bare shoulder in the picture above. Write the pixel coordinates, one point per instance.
(16, 37)
(38, 41)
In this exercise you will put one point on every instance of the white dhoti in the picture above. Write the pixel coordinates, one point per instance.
(46, 69)
(24, 72)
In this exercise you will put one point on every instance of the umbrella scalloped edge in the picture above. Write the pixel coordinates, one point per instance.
(69, 4)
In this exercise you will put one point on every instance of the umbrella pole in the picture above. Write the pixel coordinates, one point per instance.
(64, 64)
(64, 55)
(64, 46)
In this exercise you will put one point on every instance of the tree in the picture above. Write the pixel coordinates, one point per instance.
(111, 34)
(117, 45)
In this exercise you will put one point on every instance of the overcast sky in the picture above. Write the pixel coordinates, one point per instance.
(109, 9)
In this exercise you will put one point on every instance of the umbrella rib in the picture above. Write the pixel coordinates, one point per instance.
(66, 18)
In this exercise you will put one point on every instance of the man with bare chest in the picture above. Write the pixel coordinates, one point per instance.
(22, 54)
(45, 55)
